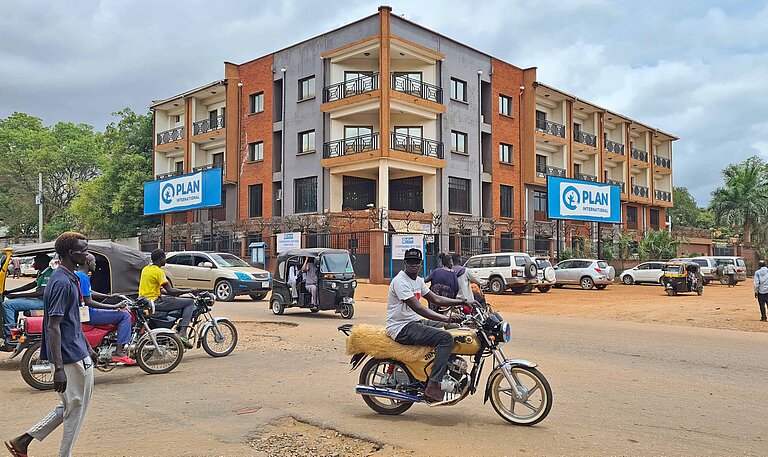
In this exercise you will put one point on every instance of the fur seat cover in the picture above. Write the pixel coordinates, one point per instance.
(373, 340)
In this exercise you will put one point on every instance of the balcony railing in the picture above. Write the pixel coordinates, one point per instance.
(169, 174)
(553, 128)
(354, 145)
(640, 191)
(585, 138)
(548, 170)
(207, 125)
(402, 83)
(614, 147)
(586, 177)
(171, 135)
(615, 182)
(350, 88)
(416, 145)
(662, 162)
(663, 195)
(209, 166)
(639, 154)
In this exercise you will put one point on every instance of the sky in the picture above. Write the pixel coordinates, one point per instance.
(695, 69)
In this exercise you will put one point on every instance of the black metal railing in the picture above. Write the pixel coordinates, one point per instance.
(207, 125)
(614, 147)
(209, 166)
(354, 145)
(616, 182)
(402, 83)
(553, 128)
(639, 154)
(174, 134)
(548, 170)
(662, 162)
(663, 195)
(585, 138)
(585, 177)
(640, 191)
(169, 174)
(357, 86)
(416, 145)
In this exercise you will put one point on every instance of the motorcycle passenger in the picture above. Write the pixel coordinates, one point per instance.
(310, 279)
(466, 279)
(17, 300)
(154, 286)
(103, 314)
(443, 280)
(406, 327)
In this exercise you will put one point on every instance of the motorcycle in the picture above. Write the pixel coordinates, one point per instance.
(156, 350)
(395, 376)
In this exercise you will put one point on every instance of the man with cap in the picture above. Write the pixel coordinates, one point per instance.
(405, 325)
(761, 288)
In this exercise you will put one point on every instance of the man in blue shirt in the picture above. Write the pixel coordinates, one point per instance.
(66, 348)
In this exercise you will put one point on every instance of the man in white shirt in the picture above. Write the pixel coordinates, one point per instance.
(406, 327)
(761, 288)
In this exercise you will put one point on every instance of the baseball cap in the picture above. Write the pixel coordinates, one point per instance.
(412, 254)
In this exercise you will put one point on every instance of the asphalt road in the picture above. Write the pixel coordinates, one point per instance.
(620, 388)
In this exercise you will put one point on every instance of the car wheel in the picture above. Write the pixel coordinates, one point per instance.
(601, 286)
(529, 288)
(224, 290)
(257, 297)
(587, 283)
(544, 289)
(628, 280)
(519, 290)
(706, 281)
(496, 286)
(558, 286)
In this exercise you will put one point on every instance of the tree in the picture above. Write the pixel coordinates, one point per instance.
(657, 245)
(743, 200)
(685, 212)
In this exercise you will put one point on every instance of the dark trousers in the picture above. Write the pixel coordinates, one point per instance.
(762, 300)
(167, 303)
(429, 333)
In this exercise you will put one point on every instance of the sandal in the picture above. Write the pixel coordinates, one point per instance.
(124, 359)
(13, 450)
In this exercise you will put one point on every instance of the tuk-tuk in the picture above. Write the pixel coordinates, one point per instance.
(681, 277)
(335, 281)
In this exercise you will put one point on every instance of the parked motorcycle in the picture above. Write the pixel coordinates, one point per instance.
(156, 350)
(395, 376)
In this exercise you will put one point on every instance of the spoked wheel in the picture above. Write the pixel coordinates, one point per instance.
(534, 396)
(628, 280)
(496, 286)
(221, 343)
(587, 283)
(35, 372)
(163, 358)
(387, 374)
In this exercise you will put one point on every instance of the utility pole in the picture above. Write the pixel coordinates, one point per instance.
(40, 208)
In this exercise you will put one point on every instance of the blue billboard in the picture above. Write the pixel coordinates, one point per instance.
(583, 201)
(181, 193)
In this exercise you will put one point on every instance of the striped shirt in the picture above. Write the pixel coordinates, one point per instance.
(761, 281)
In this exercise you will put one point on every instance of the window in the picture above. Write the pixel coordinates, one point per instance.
(632, 215)
(218, 158)
(655, 218)
(177, 118)
(506, 199)
(179, 167)
(503, 261)
(408, 82)
(505, 105)
(255, 193)
(458, 90)
(539, 200)
(305, 195)
(505, 153)
(256, 102)
(541, 163)
(307, 141)
(520, 261)
(358, 193)
(458, 195)
(256, 151)
(576, 129)
(576, 169)
(458, 142)
(406, 194)
(307, 88)
(473, 263)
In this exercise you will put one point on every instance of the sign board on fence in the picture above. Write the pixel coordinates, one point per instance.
(401, 243)
(583, 201)
(287, 241)
(181, 193)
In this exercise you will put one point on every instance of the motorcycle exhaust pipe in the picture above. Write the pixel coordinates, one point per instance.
(41, 369)
(386, 393)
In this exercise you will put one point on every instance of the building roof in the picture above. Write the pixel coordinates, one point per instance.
(156, 103)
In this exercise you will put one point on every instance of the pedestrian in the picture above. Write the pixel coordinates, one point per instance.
(761, 288)
(443, 281)
(16, 264)
(66, 348)
(730, 272)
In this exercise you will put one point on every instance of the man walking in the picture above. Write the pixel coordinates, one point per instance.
(66, 348)
(761, 288)
(16, 264)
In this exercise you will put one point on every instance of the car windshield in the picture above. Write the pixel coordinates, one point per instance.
(741, 263)
(673, 269)
(336, 263)
(702, 263)
(543, 263)
(602, 264)
(228, 260)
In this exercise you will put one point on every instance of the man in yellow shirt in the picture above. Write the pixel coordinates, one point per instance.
(154, 286)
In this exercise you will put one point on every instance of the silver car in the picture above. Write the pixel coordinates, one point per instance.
(587, 273)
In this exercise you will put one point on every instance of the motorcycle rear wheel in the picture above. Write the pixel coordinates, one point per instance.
(535, 387)
(372, 374)
(149, 360)
(42, 381)
(224, 347)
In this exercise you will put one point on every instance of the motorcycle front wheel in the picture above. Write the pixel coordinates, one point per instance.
(531, 385)
(222, 344)
(162, 359)
(36, 373)
(387, 374)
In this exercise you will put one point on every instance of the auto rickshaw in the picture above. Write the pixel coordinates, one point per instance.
(682, 277)
(335, 281)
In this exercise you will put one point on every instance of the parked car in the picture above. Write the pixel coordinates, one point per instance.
(587, 273)
(27, 266)
(226, 275)
(546, 274)
(648, 272)
(708, 266)
(738, 262)
(509, 270)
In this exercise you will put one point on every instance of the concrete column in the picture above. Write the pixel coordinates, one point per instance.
(382, 194)
(377, 257)
(337, 189)
(430, 193)
(384, 70)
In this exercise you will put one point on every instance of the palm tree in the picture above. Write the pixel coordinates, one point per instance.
(743, 200)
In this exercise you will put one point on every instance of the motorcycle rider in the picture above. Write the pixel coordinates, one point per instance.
(16, 300)
(406, 327)
(154, 286)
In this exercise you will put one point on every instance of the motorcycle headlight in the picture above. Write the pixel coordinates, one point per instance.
(242, 276)
(354, 284)
(334, 286)
(505, 332)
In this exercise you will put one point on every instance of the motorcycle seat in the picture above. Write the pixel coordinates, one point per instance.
(34, 325)
(107, 327)
(373, 340)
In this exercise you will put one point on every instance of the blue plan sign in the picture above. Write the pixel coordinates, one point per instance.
(181, 193)
(583, 201)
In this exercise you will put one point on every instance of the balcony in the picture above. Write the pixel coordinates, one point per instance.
(662, 162)
(615, 182)
(585, 138)
(348, 146)
(640, 191)
(639, 154)
(663, 195)
(614, 147)
(410, 86)
(170, 136)
(207, 125)
(586, 177)
(209, 166)
(548, 170)
(552, 128)
(350, 88)
(416, 145)
(169, 174)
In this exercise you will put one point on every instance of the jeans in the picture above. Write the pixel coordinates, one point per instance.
(13, 306)
(429, 333)
(110, 316)
(762, 300)
(166, 303)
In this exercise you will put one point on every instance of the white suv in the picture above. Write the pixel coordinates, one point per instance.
(508, 270)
